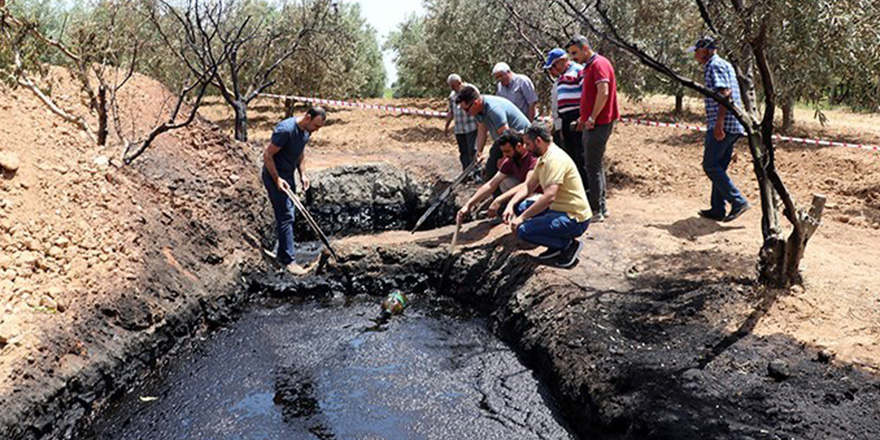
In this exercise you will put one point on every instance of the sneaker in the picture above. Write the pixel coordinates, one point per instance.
(296, 269)
(549, 254)
(598, 218)
(737, 211)
(707, 213)
(569, 255)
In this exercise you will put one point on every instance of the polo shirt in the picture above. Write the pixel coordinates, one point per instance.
(518, 169)
(291, 139)
(555, 167)
(498, 112)
(598, 69)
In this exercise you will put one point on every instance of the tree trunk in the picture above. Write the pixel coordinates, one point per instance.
(289, 103)
(240, 121)
(787, 115)
(102, 115)
(679, 102)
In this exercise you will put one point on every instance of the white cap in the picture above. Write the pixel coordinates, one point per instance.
(500, 67)
(453, 78)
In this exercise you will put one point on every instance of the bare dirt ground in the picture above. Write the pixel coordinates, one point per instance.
(656, 188)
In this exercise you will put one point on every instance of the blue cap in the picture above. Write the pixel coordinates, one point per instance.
(552, 56)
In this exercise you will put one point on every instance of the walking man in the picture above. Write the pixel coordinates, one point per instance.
(284, 155)
(723, 132)
(493, 114)
(598, 111)
(517, 88)
(561, 214)
(515, 168)
(567, 99)
(465, 125)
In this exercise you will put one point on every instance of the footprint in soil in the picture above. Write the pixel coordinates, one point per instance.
(295, 394)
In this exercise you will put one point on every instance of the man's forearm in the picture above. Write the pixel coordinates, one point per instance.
(532, 111)
(601, 100)
(269, 163)
(538, 207)
(481, 140)
(509, 194)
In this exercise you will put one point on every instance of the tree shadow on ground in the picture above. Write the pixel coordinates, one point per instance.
(682, 138)
(694, 227)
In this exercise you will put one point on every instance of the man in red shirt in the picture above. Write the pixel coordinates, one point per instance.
(598, 113)
(516, 164)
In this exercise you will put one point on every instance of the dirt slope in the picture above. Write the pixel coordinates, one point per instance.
(95, 255)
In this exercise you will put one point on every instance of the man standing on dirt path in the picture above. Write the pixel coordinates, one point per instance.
(515, 168)
(723, 132)
(562, 213)
(566, 100)
(493, 114)
(465, 125)
(598, 111)
(284, 155)
(517, 88)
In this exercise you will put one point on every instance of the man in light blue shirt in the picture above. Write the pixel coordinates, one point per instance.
(517, 88)
(493, 114)
(723, 132)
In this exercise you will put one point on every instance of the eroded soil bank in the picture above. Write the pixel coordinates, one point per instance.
(643, 356)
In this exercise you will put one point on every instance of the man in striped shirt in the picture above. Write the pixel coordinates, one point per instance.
(567, 98)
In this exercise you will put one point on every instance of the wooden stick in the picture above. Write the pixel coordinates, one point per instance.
(311, 221)
(454, 238)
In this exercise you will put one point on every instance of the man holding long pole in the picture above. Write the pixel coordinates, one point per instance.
(284, 155)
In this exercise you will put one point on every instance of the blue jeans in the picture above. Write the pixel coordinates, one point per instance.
(553, 229)
(284, 216)
(716, 158)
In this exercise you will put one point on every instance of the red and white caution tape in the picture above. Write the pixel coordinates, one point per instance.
(648, 123)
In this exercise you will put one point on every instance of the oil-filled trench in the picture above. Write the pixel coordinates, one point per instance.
(316, 363)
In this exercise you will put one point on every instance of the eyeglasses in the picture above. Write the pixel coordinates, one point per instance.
(465, 105)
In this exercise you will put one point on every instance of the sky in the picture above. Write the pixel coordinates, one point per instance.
(384, 15)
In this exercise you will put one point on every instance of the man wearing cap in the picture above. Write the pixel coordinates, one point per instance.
(493, 114)
(723, 132)
(561, 214)
(516, 165)
(567, 98)
(465, 125)
(598, 111)
(517, 88)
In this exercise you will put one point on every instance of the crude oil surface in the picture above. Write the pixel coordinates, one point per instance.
(325, 370)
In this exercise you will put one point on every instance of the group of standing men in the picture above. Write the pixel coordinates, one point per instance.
(552, 193)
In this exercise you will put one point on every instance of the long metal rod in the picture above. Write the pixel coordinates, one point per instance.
(311, 221)
(445, 194)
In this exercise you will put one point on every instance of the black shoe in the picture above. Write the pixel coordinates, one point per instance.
(707, 213)
(737, 211)
(569, 255)
(549, 254)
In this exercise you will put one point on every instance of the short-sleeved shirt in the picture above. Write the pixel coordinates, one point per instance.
(520, 91)
(568, 88)
(498, 112)
(464, 123)
(291, 139)
(721, 75)
(597, 70)
(518, 168)
(555, 167)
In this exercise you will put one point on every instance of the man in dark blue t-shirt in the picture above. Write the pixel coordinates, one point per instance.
(284, 155)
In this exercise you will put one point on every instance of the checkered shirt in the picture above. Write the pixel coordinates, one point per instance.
(721, 75)
(464, 123)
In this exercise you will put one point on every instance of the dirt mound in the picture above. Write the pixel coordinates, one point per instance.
(94, 253)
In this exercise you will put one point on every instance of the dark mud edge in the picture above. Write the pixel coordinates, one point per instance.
(201, 270)
(655, 361)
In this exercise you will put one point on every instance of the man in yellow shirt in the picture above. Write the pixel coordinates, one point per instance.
(562, 213)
